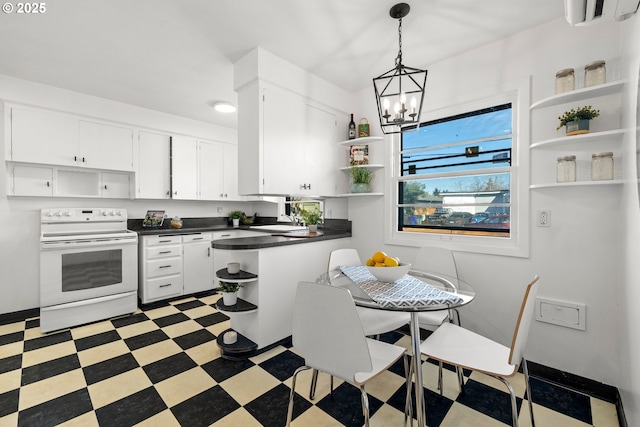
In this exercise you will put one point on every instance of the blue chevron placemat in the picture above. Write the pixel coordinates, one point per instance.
(407, 291)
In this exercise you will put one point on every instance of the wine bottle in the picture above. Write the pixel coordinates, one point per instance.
(352, 128)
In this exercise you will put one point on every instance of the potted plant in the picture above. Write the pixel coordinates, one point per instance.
(312, 219)
(361, 180)
(576, 120)
(236, 216)
(229, 292)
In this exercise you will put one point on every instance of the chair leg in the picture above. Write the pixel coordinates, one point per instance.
(314, 383)
(514, 407)
(408, 407)
(365, 405)
(529, 396)
(292, 393)
(440, 385)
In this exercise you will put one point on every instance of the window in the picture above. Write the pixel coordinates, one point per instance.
(456, 174)
(461, 179)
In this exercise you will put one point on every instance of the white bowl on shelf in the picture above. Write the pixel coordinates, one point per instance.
(390, 274)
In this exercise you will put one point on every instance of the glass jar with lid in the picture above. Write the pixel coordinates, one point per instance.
(565, 80)
(566, 169)
(595, 73)
(602, 166)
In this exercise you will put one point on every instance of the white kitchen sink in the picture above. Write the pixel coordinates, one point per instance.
(279, 227)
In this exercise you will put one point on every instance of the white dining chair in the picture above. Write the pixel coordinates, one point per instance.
(462, 348)
(374, 322)
(328, 333)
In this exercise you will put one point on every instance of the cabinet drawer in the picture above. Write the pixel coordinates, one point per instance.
(164, 267)
(225, 235)
(195, 238)
(153, 252)
(164, 287)
(161, 240)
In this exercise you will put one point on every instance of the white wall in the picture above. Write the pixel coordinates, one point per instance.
(579, 258)
(629, 344)
(19, 241)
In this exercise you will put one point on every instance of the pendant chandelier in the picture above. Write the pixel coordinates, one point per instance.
(400, 91)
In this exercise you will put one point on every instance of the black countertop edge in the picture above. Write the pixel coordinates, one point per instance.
(270, 241)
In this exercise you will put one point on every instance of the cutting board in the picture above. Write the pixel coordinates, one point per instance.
(301, 233)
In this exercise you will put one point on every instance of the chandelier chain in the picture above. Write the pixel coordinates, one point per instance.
(399, 57)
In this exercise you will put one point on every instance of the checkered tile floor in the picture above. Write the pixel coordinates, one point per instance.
(162, 367)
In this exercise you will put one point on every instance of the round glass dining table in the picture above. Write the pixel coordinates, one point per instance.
(462, 294)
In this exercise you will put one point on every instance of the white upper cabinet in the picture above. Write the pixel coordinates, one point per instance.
(105, 146)
(217, 171)
(285, 145)
(184, 164)
(154, 168)
(48, 137)
(41, 136)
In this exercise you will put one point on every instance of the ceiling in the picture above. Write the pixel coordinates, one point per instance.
(177, 56)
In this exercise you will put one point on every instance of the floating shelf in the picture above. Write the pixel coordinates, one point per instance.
(241, 277)
(241, 306)
(239, 350)
(362, 141)
(370, 166)
(581, 139)
(580, 94)
(360, 194)
(577, 184)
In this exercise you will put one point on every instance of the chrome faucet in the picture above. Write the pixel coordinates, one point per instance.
(292, 219)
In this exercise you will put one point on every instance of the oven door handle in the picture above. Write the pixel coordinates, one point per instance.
(91, 243)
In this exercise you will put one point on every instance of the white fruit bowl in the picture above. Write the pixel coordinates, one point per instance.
(390, 274)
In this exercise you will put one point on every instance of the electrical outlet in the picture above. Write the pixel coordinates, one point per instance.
(544, 218)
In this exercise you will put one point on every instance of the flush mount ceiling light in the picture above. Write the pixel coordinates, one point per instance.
(400, 91)
(224, 107)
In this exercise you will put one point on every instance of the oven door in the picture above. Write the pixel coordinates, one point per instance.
(80, 269)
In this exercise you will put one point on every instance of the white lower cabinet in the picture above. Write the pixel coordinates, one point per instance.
(174, 265)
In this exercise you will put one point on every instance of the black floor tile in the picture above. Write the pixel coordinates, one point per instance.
(10, 363)
(212, 319)
(129, 320)
(168, 367)
(221, 369)
(171, 319)
(189, 305)
(488, 400)
(205, 408)
(96, 340)
(56, 411)
(194, 339)
(132, 409)
(559, 399)
(32, 323)
(346, 405)
(47, 340)
(11, 338)
(270, 409)
(9, 402)
(109, 368)
(49, 369)
(146, 339)
(283, 365)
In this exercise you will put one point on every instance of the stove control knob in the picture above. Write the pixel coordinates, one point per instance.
(112, 213)
(59, 213)
(118, 213)
(67, 213)
(104, 213)
(50, 214)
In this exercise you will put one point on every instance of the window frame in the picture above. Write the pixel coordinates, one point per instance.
(517, 244)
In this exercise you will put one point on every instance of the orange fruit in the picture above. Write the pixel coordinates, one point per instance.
(391, 262)
(379, 257)
(370, 262)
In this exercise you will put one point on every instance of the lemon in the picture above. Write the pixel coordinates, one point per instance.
(370, 262)
(379, 264)
(379, 257)
(391, 262)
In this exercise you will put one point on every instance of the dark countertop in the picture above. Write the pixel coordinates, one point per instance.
(334, 229)
(269, 241)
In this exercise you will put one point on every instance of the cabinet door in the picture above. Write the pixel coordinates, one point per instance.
(154, 168)
(115, 185)
(106, 146)
(283, 133)
(198, 267)
(31, 181)
(211, 171)
(184, 164)
(321, 151)
(231, 172)
(40, 136)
